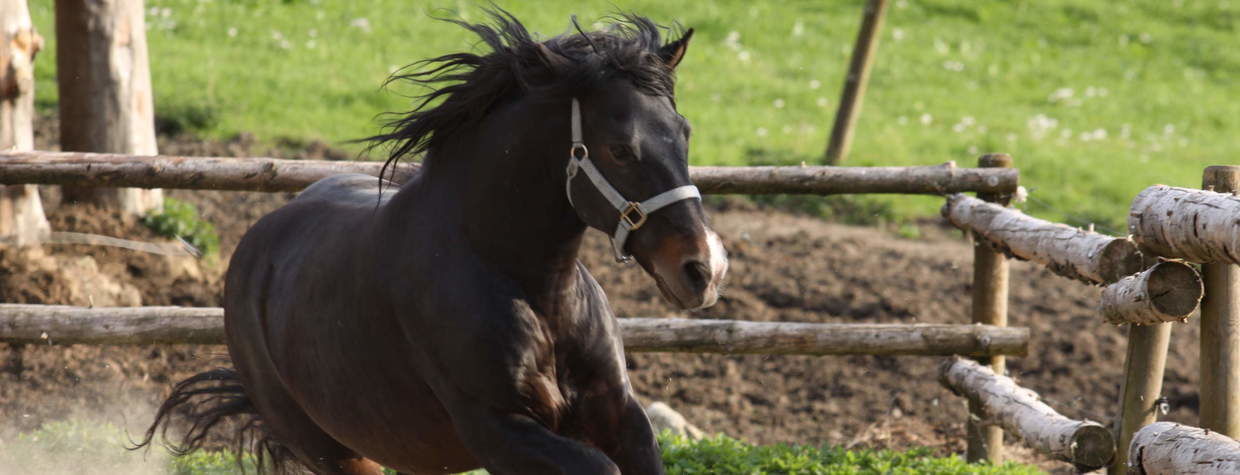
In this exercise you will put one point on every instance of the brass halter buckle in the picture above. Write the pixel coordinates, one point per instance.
(626, 215)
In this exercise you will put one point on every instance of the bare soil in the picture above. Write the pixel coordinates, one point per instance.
(784, 268)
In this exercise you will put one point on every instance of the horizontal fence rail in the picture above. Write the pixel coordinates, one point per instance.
(1086, 444)
(1070, 252)
(1170, 448)
(1183, 223)
(273, 175)
(57, 324)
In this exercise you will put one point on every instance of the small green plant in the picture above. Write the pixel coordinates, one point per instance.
(179, 219)
(210, 463)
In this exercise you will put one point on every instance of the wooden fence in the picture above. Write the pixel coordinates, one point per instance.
(1175, 225)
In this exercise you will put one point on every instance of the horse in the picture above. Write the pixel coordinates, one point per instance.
(449, 325)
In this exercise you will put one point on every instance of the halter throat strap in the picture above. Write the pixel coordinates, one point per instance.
(631, 214)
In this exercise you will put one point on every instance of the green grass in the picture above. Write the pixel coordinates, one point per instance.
(178, 219)
(1094, 99)
(79, 446)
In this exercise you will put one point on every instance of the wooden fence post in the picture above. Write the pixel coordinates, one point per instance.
(1220, 327)
(1143, 378)
(854, 84)
(990, 298)
(21, 210)
(105, 91)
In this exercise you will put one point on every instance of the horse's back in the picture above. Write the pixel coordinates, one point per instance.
(350, 189)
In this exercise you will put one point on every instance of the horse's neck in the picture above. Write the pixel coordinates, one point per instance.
(514, 216)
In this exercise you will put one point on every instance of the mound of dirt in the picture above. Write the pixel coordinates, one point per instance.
(784, 268)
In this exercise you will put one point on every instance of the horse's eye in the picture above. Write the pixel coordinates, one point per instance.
(623, 153)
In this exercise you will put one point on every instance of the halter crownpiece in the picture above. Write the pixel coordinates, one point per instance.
(632, 214)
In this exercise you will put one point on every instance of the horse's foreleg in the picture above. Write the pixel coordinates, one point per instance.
(517, 444)
(637, 452)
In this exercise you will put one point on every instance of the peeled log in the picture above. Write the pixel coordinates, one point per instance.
(1183, 223)
(1086, 444)
(21, 210)
(1070, 252)
(62, 324)
(1170, 448)
(271, 174)
(1167, 292)
(105, 98)
(140, 325)
(738, 337)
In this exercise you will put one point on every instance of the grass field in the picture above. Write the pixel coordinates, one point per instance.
(84, 447)
(1094, 99)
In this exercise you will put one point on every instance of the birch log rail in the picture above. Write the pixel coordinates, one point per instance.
(1170, 448)
(1167, 292)
(1086, 444)
(271, 174)
(1196, 225)
(1070, 252)
(57, 324)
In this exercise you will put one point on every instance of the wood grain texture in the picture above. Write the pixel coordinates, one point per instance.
(21, 210)
(1170, 448)
(1166, 292)
(21, 323)
(105, 98)
(1183, 223)
(1070, 252)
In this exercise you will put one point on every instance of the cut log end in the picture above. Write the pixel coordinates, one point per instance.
(1175, 289)
(1093, 447)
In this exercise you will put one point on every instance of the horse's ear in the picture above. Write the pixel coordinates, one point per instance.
(552, 60)
(673, 52)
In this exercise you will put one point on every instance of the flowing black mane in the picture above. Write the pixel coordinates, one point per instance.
(471, 84)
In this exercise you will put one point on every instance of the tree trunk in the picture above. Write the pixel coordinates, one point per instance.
(21, 210)
(1070, 252)
(1020, 411)
(105, 91)
(1170, 448)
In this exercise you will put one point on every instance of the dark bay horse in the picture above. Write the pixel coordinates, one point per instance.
(449, 325)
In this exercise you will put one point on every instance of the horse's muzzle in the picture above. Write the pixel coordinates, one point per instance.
(690, 267)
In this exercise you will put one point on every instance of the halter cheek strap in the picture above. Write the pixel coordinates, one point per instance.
(632, 214)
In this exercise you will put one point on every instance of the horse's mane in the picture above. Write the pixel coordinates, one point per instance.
(471, 84)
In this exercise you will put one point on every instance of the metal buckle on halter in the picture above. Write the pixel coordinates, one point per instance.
(633, 207)
(574, 160)
(579, 147)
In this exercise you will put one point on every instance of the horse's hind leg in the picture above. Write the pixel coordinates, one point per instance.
(283, 418)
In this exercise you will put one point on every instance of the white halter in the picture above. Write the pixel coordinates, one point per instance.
(632, 213)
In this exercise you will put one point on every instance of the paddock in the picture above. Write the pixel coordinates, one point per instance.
(1152, 297)
(1180, 259)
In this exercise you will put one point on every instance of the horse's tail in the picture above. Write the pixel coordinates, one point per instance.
(207, 400)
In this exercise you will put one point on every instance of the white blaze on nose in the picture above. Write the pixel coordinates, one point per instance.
(718, 256)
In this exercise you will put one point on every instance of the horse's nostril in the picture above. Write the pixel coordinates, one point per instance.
(698, 275)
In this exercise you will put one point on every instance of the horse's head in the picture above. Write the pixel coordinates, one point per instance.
(626, 167)
(628, 176)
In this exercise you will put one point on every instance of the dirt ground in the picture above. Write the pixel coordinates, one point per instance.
(784, 268)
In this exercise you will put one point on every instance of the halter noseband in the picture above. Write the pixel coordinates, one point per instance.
(632, 213)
